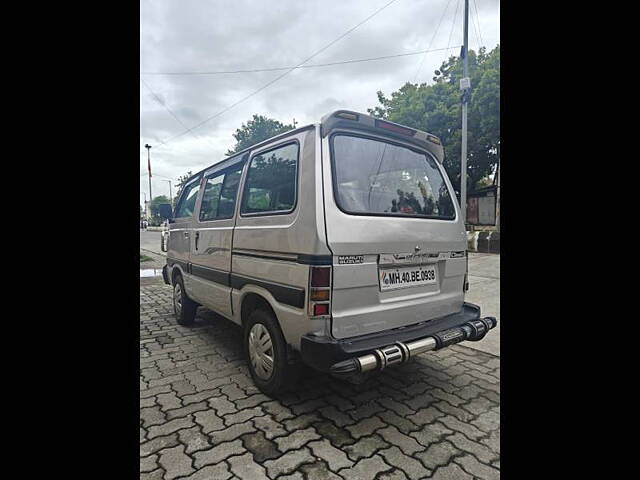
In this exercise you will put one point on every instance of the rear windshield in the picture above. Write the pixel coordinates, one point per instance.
(380, 178)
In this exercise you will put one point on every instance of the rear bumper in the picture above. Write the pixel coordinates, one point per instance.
(379, 350)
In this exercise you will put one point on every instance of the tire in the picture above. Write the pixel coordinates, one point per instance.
(282, 375)
(183, 307)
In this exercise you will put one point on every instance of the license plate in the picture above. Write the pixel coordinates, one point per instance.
(392, 278)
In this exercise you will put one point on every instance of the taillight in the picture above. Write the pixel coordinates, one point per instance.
(319, 291)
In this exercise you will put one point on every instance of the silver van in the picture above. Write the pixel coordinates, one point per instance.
(338, 244)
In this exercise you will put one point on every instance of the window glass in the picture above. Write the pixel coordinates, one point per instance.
(271, 181)
(210, 198)
(219, 198)
(188, 200)
(372, 176)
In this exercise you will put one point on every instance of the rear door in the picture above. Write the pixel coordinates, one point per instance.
(213, 235)
(394, 229)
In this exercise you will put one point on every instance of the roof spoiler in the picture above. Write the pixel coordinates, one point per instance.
(360, 121)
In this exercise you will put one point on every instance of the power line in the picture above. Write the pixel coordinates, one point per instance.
(475, 7)
(315, 65)
(453, 25)
(224, 110)
(415, 79)
(165, 106)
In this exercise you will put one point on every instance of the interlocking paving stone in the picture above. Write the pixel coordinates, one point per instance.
(203, 418)
(451, 472)
(170, 427)
(219, 471)
(218, 453)
(318, 471)
(151, 416)
(148, 464)
(431, 433)
(246, 468)
(365, 427)
(437, 454)
(365, 447)
(175, 462)
(152, 446)
(296, 439)
(288, 462)
(337, 436)
(193, 439)
(366, 469)
(393, 475)
(335, 458)
(261, 447)
(231, 433)
(411, 467)
(407, 444)
(269, 426)
(480, 451)
(209, 421)
(183, 411)
(473, 466)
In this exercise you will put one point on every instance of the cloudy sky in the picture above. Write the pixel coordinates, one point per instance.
(179, 36)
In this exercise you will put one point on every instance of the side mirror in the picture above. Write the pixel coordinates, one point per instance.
(165, 211)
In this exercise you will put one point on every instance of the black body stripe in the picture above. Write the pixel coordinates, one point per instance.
(283, 293)
(211, 274)
(286, 294)
(302, 258)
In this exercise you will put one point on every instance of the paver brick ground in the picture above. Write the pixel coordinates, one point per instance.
(437, 416)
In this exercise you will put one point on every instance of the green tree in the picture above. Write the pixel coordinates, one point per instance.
(179, 184)
(257, 129)
(154, 207)
(437, 109)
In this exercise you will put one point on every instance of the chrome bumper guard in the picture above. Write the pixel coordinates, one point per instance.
(401, 352)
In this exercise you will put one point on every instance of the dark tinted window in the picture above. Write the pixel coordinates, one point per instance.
(219, 197)
(271, 181)
(373, 176)
(187, 203)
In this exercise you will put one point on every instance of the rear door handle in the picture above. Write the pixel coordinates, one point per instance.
(197, 237)
(186, 234)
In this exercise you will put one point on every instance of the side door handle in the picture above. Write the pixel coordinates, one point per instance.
(197, 238)
(186, 234)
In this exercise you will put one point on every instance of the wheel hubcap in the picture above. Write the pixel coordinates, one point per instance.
(261, 351)
(177, 299)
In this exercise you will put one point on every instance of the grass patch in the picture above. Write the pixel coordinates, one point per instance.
(145, 258)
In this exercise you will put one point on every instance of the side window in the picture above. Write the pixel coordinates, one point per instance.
(210, 198)
(188, 200)
(219, 198)
(271, 181)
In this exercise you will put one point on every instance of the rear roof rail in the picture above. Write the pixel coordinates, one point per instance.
(354, 120)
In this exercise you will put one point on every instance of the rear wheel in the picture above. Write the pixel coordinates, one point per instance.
(267, 354)
(183, 307)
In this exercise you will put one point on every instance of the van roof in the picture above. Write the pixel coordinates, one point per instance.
(352, 120)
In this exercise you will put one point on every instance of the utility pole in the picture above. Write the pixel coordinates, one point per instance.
(465, 86)
(170, 194)
(145, 203)
(148, 147)
(294, 123)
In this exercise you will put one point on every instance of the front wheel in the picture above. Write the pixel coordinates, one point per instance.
(183, 306)
(267, 354)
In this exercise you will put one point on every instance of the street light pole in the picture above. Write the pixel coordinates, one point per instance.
(148, 147)
(170, 194)
(465, 86)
